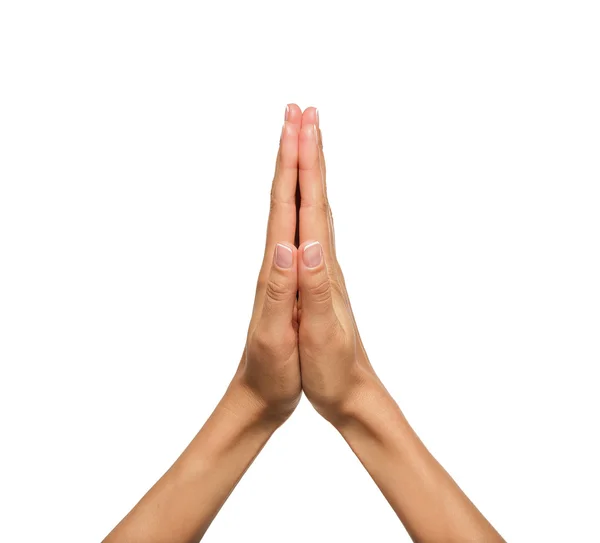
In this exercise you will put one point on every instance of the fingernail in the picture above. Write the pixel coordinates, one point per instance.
(283, 256)
(287, 112)
(313, 254)
(317, 116)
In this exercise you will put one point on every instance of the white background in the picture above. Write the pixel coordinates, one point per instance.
(137, 147)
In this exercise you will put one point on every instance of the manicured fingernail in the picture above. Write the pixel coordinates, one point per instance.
(287, 112)
(313, 254)
(283, 256)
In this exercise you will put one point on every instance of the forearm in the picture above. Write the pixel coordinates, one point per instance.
(426, 499)
(181, 505)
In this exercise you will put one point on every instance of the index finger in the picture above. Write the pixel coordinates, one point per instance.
(315, 221)
(281, 226)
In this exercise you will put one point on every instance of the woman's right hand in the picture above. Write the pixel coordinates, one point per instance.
(269, 370)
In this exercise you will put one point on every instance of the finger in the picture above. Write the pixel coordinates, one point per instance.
(286, 166)
(313, 223)
(314, 211)
(324, 174)
(293, 114)
(311, 116)
(314, 284)
(282, 217)
(280, 290)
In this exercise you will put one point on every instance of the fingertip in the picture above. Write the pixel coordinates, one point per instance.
(310, 116)
(293, 114)
(289, 130)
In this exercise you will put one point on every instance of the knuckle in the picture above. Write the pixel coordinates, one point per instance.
(262, 341)
(325, 337)
(321, 205)
(320, 291)
(267, 343)
(277, 290)
(277, 203)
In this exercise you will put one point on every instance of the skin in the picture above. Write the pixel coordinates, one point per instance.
(303, 337)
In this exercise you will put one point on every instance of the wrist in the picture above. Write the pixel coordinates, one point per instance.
(252, 411)
(369, 407)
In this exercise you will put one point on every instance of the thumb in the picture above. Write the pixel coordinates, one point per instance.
(313, 282)
(281, 289)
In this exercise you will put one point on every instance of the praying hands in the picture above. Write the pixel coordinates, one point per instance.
(303, 337)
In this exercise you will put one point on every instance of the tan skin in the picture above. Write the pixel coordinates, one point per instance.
(303, 337)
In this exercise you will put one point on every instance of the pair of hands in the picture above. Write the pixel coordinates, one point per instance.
(303, 336)
(302, 333)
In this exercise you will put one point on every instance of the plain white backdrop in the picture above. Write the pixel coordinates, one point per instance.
(137, 148)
